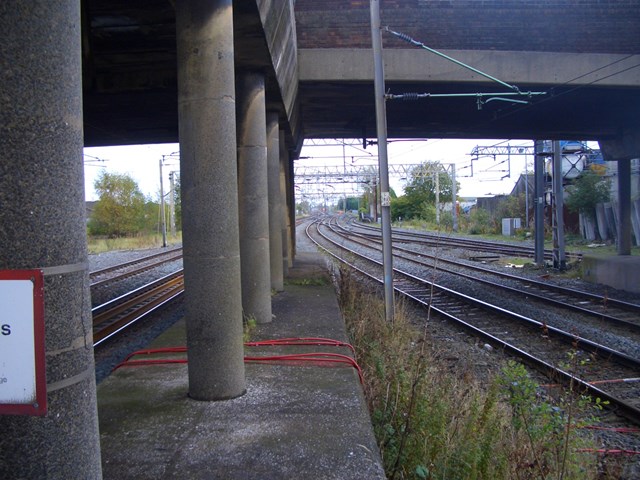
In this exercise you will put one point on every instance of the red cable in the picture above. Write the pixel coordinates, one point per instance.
(301, 341)
(150, 351)
(308, 357)
(311, 357)
(138, 363)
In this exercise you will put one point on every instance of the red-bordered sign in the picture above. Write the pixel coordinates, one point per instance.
(23, 384)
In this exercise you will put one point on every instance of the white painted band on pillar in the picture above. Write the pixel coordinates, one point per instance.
(63, 269)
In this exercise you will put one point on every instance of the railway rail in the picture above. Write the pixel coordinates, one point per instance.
(115, 273)
(603, 309)
(114, 316)
(431, 239)
(602, 371)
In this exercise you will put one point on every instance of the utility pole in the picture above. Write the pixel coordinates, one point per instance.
(538, 173)
(172, 204)
(559, 260)
(383, 166)
(163, 224)
(437, 182)
(454, 195)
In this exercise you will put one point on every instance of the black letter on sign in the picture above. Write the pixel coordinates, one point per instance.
(6, 330)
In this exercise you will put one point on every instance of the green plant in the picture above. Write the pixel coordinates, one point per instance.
(249, 324)
(480, 222)
(549, 430)
(435, 423)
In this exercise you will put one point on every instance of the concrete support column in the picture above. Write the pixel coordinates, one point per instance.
(43, 227)
(623, 150)
(292, 209)
(275, 212)
(209, 188)
(624, 207)
(253, 197)
(284, 160)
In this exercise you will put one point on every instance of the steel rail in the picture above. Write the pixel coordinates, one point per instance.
(600, 307)
(114, 316)
(477, 245)
(417, 286)
(120, 266)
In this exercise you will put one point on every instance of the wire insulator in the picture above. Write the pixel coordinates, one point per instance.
(410, 96)
(404, 37)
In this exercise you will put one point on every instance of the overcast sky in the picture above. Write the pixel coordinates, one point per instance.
(142, 163)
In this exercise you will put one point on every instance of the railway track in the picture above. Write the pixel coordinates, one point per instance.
(563, 357)
(108, 276)
(603, 309)
(441, 241)
(114, 316)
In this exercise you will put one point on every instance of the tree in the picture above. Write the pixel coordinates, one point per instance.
(403, 208)
(177, 200)
(587, 191)
(351, 203)
(420, 193)
(120, 210)
(514, 206)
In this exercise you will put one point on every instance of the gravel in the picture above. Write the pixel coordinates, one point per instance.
(464, 353)
(112, 352)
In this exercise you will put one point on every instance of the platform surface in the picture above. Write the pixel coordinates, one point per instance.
(621, 272)
(295, 421)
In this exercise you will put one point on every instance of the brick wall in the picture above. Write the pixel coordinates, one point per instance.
(593, 26)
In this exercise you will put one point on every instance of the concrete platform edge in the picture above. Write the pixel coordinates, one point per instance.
(295, 421)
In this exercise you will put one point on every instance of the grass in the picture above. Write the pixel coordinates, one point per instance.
(434, 422)
(101, 244)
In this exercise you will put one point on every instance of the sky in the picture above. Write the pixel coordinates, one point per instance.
(489, 178)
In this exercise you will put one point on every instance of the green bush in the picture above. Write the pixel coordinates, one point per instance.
(435, 423)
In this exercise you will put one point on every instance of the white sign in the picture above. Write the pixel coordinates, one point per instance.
(20, 343)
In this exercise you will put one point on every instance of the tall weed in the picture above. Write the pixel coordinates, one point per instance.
(432, 422)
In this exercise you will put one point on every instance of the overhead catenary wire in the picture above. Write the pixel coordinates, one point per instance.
(554, 94)
(407, 38)
(520, 106)
(499, 96)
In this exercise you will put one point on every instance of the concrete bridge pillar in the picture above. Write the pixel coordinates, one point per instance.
(623, 150)
(284, 161)
(253, 197)
(43, 227)
(275, 205)
(209, 183)
(291, 196)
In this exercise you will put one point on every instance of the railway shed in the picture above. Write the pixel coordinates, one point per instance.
(241, 84)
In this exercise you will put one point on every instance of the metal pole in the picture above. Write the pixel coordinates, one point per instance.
(163, 224)
(437, 194)
(538, 173)
(559, 260)
(526, 193)
(383, 167)
(172, 204)
(454, 195)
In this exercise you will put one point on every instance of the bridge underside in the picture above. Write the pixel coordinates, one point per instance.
(130, 85)
(346, 110)
(584, 113)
